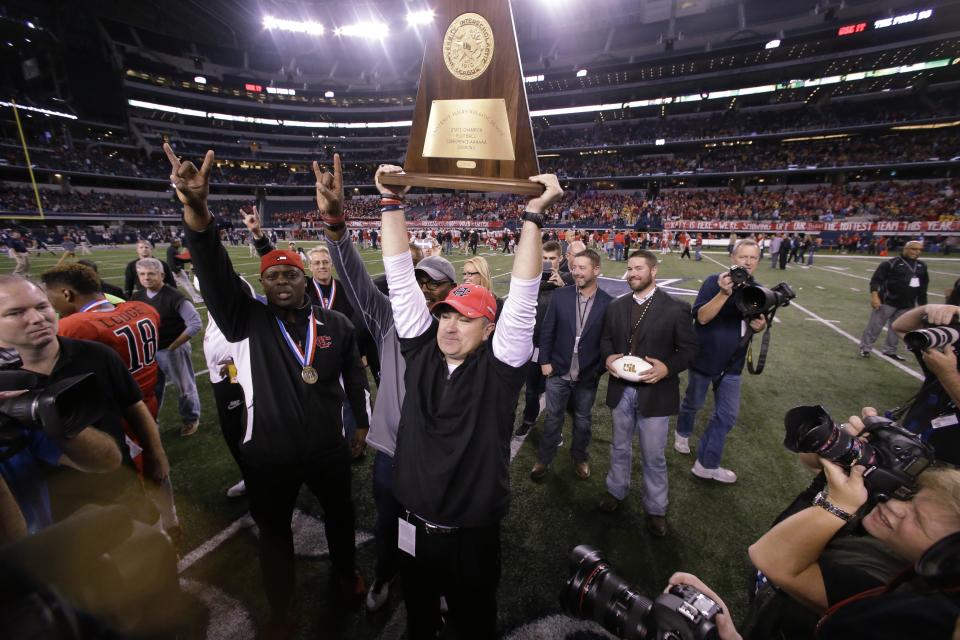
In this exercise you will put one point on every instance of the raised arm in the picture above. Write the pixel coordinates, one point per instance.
(373, 308)
(513, 339)
(410, 312)
(222, 290)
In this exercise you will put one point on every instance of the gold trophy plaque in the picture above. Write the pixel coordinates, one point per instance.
(471, 126)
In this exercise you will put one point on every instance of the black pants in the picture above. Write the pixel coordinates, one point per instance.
(536, 384)
(464, 567)
(232, 412)
(272, 493)
(388, 512)
(784, 257)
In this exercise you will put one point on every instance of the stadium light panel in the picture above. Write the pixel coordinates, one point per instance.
(200, 80)
(31, 25)
(536, 78)
(46, 112)
(296, 26)
(773, 44)
(417, 18)
(371, 30)
(581, 73)
(660, 142)
(329, 94)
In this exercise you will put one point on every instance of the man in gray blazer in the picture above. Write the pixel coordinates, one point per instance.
(650, 324)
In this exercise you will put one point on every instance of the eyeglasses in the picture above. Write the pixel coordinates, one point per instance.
(470, 274)
(432, 285)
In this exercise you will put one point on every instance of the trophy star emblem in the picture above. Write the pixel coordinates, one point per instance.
(468, 46)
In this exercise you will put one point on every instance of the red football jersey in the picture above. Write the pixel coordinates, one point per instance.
(131, 329)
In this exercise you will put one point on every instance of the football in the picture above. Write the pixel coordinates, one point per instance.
(630, 367)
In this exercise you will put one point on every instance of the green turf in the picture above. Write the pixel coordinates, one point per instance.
(711, 525)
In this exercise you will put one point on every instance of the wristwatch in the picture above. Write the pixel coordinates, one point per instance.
(535, 218)
(821, 501)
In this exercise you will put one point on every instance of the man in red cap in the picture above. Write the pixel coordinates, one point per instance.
(452, 456)
(298, 353)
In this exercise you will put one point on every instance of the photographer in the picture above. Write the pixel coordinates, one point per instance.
(28, 323)
(932, 413)
(792, 554)
(720, 327)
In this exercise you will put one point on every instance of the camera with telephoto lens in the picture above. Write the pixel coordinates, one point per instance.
(893, 456)
(594, 592)
(755, 300)
(933, 337)
(62, 409)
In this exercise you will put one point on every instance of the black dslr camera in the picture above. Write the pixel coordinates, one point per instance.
(739, 276)
(594, 592)
(893, 456)
(62, 409)
(755, 300)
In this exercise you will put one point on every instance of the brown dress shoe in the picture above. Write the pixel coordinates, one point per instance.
(657, 525)
(539, 470)
(582, 470)
(608, 503)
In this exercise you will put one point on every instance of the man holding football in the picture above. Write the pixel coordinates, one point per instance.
(647, 327)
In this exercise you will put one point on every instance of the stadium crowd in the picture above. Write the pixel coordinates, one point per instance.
(292, 394)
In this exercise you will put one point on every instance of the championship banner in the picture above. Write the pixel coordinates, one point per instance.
(431, 224)
(952, 226)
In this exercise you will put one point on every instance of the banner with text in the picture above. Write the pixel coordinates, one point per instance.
(813, 227)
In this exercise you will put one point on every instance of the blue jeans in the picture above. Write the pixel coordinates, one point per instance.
(349, 422)
(726, 409)
(177, 367)
(558, 393)
(652, 433)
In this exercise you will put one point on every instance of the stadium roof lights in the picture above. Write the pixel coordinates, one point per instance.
(590, 108)
(372, 30)
(296, 26)
(46, 112)
(417, 18)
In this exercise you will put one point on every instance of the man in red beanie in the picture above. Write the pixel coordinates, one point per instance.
(453, 446)
(298, 352)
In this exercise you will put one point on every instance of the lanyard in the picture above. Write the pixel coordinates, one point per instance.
(326, 303)
(92, 306)
(302, 360)
(913, 269)
(582, 316)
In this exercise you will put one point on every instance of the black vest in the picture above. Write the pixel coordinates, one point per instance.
(166, 303)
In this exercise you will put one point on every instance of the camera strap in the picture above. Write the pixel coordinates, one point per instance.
(764, 347)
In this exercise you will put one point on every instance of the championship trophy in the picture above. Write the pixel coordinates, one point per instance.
(471, 127)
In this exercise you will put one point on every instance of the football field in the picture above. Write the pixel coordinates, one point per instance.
(813, 359)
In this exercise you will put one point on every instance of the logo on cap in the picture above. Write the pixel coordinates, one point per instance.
(461, 292)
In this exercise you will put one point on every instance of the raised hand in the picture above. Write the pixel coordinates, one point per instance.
(330, 192)
(551, 193)
(388, 190)
(192, 184)
(252, 221)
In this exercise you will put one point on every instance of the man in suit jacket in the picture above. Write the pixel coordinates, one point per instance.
(647, 323)
(570, 360)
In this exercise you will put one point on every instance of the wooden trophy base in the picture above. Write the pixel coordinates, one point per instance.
(464, 183)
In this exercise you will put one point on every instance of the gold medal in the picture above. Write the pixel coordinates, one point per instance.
(309, 375)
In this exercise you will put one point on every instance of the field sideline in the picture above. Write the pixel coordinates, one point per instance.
(813, 360)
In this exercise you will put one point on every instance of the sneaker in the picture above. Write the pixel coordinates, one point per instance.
(681, 444)
(377, 595)
(895, 356)
(523, 429)
(189, 428)
(539, 470)
(719, 474)
(864, 353)
(238, 490)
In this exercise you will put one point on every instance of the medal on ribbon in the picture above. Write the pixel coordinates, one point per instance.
(326, 303)
(308, 374)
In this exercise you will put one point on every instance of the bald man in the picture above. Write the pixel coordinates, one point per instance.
(898, 285)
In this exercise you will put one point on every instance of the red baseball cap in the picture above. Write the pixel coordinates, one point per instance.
(280, 256)
(470, 300)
